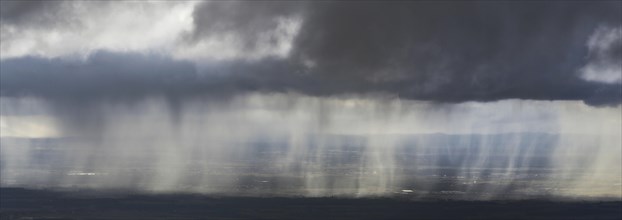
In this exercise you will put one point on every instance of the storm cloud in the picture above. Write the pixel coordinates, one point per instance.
(436, 51)
(313, 98)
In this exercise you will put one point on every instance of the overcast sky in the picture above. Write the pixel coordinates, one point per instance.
(454, 67)
(160, 82)
(436, 51)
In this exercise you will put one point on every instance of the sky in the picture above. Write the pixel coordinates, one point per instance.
(436, 51)
(187, 71)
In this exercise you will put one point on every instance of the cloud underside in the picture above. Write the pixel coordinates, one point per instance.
(441, 51)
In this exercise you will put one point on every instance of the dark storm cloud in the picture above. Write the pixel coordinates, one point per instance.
(439, 51)
(458, 51)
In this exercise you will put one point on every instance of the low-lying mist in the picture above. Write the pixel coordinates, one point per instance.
(295, 145)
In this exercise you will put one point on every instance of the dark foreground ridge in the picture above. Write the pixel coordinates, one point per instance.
(18, 203)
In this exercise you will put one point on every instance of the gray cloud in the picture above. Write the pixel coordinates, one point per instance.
(103, 74)
(37, 14)
(245, 21)
(438, 51)
(113, 76)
